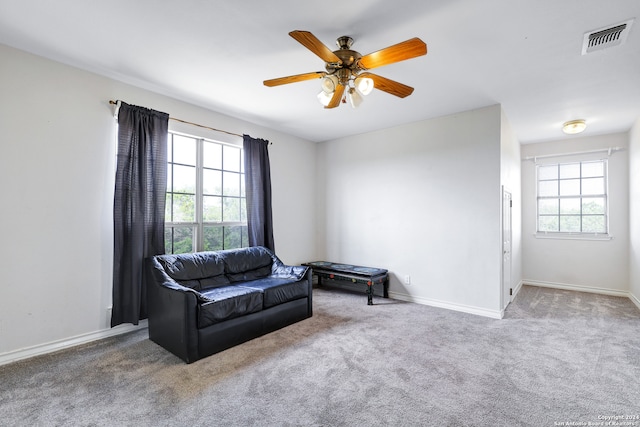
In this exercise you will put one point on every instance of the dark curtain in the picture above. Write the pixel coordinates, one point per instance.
(258, 191)
(138, 207)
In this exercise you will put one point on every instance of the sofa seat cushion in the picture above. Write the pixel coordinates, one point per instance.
(277, 290)
(228, 302)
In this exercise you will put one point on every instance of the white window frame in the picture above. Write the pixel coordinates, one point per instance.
(580, 235)
(199, 224)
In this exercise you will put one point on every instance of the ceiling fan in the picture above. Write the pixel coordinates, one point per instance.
(347, 70)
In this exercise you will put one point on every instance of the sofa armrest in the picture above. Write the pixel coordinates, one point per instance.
(172, 313)
(279, 269)
(296, 271)
(301, 273)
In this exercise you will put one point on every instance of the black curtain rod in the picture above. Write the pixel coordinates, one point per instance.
(191, 123)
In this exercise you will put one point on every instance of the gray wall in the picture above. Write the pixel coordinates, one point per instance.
(601, 266)
(423, 200)
(57, 168)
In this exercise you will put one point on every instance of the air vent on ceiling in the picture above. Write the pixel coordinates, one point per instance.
(606, 37)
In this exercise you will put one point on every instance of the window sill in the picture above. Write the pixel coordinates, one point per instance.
(573, 236)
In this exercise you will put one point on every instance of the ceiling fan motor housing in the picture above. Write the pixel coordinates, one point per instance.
(348, 60)
(344, 42)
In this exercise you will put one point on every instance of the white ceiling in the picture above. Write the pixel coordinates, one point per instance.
(523, 54)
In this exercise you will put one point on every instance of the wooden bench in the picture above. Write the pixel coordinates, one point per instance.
(355, 274)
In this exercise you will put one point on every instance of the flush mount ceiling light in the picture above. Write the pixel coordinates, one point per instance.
(346, 77)
(574, 126)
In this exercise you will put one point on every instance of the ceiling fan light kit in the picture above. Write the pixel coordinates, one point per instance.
(325, 97)
(358, 87)
(355, 98)
(329, 84)
(346, 77)
(364, 85)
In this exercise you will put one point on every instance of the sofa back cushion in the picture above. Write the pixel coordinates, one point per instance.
(247, 263)
(204, 270)
(198, 270)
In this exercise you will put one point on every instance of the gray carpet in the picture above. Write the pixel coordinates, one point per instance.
(557, 358)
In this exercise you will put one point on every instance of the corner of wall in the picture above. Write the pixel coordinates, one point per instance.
(511, 180)
(634, 213)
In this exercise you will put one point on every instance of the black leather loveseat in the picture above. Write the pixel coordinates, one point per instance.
(205, 302)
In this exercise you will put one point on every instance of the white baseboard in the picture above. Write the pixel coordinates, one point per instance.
(37, 350)
(579, 288)
(516, 290)
(494, 314)
(499, 314)
(634, 299)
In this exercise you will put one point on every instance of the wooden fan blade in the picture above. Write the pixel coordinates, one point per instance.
(398, 52)
(388, 85)
(336, 98)
(294, 79)
(312, 43)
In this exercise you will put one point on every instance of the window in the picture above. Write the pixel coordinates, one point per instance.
(205, 204)
(572, 198)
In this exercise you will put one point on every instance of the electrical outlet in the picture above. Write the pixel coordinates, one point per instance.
(407, 279)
